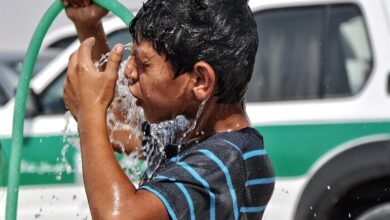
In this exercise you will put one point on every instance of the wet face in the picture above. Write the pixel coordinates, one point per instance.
(162, 96)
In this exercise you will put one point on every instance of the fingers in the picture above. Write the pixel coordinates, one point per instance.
(114, 60)
(73, 63)
(68, 89)
(75, 3)
(85, 53)
(86, 3)
(100, 11)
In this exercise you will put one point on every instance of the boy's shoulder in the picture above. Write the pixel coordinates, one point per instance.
(241, 141)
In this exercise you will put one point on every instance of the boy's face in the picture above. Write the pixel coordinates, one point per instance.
(160, 95)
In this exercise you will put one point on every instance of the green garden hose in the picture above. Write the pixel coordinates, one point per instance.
(23, 89)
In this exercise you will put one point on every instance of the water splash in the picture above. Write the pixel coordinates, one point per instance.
(103, 60)
(68, 140)
(193, 123)
(173, 132)
(125, 116)
(68, 168)
(122, 116)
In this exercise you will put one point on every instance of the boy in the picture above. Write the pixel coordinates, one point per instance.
(186, 53)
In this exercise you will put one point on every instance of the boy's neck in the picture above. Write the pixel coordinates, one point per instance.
(219, 118)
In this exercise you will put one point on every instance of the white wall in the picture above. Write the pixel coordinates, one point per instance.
(18, 19)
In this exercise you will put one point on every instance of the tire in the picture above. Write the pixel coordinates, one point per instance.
(379, 212)
(348, 185)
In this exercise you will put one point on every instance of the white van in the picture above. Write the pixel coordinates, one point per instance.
(320, 95)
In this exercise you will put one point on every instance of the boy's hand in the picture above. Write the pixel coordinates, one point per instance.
(87, 91)
(83, 12)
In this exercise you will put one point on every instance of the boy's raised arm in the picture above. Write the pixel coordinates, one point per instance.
(88, 93)
(87, 20)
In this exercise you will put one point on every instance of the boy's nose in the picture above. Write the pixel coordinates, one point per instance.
(131, 71)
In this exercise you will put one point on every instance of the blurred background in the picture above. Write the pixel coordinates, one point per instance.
(18, 20)
(319, 94)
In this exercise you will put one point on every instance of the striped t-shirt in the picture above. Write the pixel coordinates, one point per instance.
(226, 176)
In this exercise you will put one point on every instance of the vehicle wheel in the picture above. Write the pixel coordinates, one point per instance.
(348, 185)
(379, 212)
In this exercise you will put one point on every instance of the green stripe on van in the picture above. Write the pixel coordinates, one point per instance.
(293, 149)
(41, 161)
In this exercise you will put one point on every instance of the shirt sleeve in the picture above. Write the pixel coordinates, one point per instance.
(206, 183)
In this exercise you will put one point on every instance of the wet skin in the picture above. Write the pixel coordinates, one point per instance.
(162, 96)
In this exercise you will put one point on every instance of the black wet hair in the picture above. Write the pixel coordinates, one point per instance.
(220, 32)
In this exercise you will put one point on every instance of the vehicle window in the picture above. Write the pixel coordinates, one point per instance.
(8, 83)
(310, 53)
(63, 43)
(288, 60)
(3, 97)
(348, 59)
(121, 36)
(51, 99)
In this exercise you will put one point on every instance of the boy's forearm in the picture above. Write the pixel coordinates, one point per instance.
(97, 31)
(107, 186)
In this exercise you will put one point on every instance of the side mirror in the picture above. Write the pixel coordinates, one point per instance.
(32, 105)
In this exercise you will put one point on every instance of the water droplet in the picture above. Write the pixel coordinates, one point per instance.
(328, 187)
(311, 207)
(64, 149)
(74, 197)
(349, 215)
(315, 214)
(68, 168)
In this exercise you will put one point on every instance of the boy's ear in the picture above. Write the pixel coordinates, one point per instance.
(203, 80)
